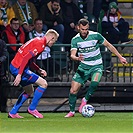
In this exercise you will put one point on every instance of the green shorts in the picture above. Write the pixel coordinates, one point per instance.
(82, 75)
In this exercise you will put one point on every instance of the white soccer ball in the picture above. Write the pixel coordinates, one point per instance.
(88, 110)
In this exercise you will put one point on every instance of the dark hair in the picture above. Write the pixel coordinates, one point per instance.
(13, 19)
(37, 19)
(58, 1)
(83, 21)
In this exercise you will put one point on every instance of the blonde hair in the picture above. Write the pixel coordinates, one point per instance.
(51, 31)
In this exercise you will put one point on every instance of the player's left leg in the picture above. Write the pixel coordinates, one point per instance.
(93, 85)
(42, 83)
(96, 77)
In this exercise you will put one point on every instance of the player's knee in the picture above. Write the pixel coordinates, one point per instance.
(72, 91)
(44, 84)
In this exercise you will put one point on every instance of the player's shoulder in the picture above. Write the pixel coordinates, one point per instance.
(76, 37)
(93, 32)
(39, 39)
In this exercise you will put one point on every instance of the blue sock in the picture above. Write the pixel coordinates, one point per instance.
(37, 96)
(22, 98)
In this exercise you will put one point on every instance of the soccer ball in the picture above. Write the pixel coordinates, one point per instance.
(88, 110)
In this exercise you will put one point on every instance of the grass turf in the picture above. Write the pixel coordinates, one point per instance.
(101, 122)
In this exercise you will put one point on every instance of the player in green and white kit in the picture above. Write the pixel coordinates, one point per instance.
(86, 44)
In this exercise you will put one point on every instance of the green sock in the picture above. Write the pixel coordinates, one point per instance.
(91, 89)
(72, 101)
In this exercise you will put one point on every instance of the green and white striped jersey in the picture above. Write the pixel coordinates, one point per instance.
(89, 48)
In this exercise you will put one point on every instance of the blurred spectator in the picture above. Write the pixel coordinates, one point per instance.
(105, 4)
(12, 1)
(51, 14)
(71, 15)
(26, 13)
(38, 3)
(90, 6)
(38, 29)
(13, 34)
(6, 14)
(113, 24)
(3, 56)
(95, 6)
(45, 60)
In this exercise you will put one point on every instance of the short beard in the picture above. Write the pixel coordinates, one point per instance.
(83, 37)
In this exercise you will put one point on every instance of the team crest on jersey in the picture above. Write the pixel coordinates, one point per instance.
(35, 51)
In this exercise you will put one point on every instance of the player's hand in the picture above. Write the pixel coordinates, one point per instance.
(80, 58)
(123, 60)
(17, 80)
(42, 72)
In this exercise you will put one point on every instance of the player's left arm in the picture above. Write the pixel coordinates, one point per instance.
(114, 50)
(42, 72)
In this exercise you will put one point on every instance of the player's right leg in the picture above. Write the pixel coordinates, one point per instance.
(28, 90)
(28, 78)
(75, 86)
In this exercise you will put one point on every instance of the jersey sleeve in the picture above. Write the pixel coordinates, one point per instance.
(73, 44)
(101, 39)
(34, 66)
(25, 60)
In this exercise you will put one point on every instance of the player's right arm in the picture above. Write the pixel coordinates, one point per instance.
(74, 51)
(25, 60)
(74, 57)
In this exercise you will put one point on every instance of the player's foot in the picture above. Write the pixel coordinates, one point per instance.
(35, 113)
(14, 116)
(81, 105)
(70, 114)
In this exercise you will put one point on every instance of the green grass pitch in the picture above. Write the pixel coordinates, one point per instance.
(101, 122)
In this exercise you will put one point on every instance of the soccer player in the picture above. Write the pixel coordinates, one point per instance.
(86, 43)
(20, 68)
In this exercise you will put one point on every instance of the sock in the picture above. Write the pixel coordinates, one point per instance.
(72, 101)
(91, 89)
(84, 99)
(22, 98)
(72, 112)
(37, 96)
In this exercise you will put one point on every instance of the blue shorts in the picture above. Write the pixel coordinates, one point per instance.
(28, 77)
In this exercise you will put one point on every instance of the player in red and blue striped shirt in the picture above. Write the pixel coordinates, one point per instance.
(20, 69)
